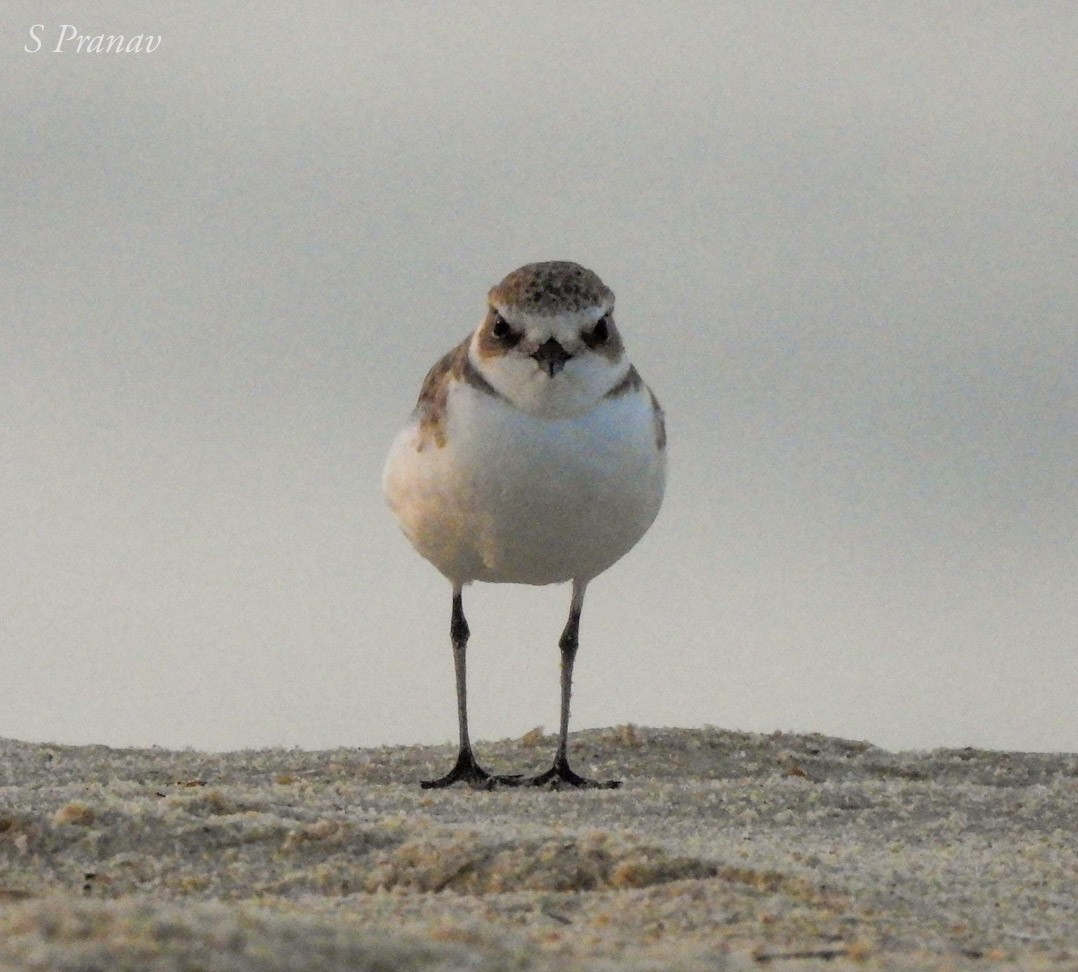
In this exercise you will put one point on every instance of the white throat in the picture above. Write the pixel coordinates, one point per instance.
(578, 384)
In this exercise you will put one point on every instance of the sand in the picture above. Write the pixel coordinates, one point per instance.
(723, 850)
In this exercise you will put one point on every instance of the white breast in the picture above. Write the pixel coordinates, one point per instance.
(517, 499)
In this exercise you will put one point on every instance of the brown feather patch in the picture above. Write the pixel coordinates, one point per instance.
(455, 365)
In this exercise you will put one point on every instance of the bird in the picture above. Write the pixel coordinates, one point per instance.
(536, 454)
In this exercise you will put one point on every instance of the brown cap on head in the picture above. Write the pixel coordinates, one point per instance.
(551, 288)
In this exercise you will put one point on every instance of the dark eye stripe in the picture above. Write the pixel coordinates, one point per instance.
(599, 334)
(502, 330)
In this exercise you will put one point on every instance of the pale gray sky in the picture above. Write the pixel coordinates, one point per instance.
(843, 239)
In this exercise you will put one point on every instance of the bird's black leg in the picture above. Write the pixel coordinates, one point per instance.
(466, 770)
(560, 774)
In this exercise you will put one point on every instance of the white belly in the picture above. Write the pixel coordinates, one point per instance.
(512, 498)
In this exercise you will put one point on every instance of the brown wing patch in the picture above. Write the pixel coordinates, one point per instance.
(434, 394)
(455, 365)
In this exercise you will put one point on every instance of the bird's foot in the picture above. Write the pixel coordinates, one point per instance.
(467, 770)
(560, 776)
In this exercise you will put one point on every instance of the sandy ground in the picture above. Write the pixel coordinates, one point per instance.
(722, 851)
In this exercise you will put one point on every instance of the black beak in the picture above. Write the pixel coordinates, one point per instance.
(551, 356)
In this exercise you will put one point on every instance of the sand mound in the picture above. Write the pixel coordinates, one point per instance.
(145, 936)
(722, 850)
(210, 844)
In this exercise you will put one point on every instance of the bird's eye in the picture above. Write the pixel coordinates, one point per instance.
(600, 334)
(504, 332)
(500, 328)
